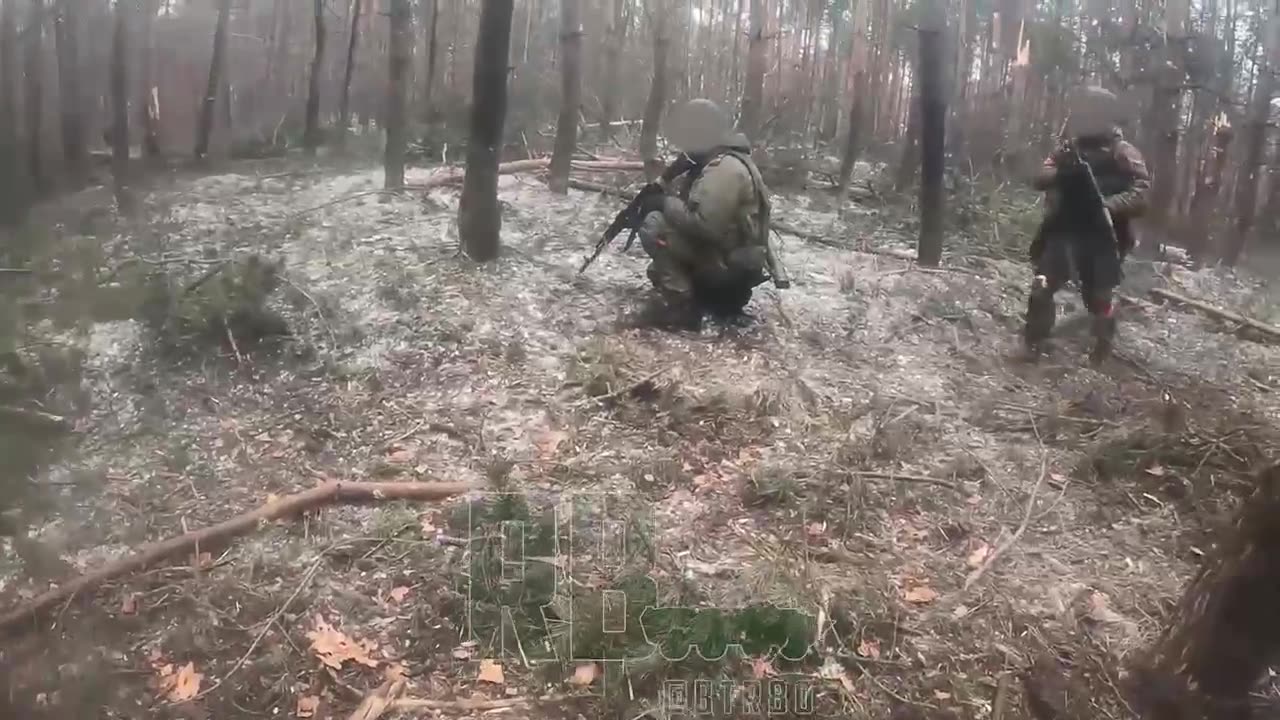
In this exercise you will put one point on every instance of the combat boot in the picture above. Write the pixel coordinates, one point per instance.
(1041, 314)
(1104, 335)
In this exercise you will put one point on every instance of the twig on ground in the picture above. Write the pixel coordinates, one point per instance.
(1002, 698)
(15, 271)
(1026, 519)
(1035, 412)
(626, 390)
(329, 493)
(1270, 331)
(36, 418)
(378, 702)
(333, 337)
(471, 703)
(899, 477)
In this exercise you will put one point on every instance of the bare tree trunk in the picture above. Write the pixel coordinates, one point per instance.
(479, 216)
(736, 61)
(616, 40)
(753, 92)
(933, 132)
(570, 96)
(433, 50)
(66, 37)
(120, 110)
(909, 160)
(400, 55)
(148, 100)
(1206, 195)
(34, 101)
(852, 147)
(210, 101)
(344, 102)
(657, 102)
(1224, 634)
(1255, 136)
(1163, 121)
(12, 200)
(311, 133)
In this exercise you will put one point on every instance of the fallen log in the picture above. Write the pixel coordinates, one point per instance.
(328, 493)
(1222, 314)
(455, 175)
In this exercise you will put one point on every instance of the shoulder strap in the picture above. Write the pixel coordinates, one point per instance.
(762, 194)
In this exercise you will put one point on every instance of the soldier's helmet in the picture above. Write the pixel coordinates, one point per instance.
(1092, 111)
(701, 125)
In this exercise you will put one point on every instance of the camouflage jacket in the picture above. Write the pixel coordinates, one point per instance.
(1122, 178)
(723, 206)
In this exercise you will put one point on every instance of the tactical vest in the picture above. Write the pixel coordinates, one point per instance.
(756, 233)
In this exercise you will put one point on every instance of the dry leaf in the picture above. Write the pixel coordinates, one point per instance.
(869, 648)
(154, 655)
(129, 605)
(761, 668)
(333, 648)
(1057, 477)
(846, 683)
(307, 706)
(395, 671)
(183, 685)
(979, 555)
(491, 672)
(584, 675)
(941, 695)
(398, 594)
(272, 498)
(400, 457)
(1156, 470)
(816, 529)
(920, 595)
(203, 560)
(428, 525)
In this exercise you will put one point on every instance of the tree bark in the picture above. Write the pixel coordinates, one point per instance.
(433, 50)
(1163, 123)
(736, 60)
(1206, 195)
(148, 101)
(210, 101)
(12, 200)
(344, 102)
(933, 133)
(1255, 136)
(34, 101)
(479, 216)
(400, 55)
(617, 38)
(1224, 633)
(657, 102)
(120, 110)
(570, 96)
(311, 133)
(753, 92)
(852, 147)
(909, 161)
(66, 37)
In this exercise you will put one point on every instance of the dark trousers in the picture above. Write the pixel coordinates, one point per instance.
(1060, 256)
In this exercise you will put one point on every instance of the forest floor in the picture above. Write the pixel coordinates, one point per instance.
(867, 470)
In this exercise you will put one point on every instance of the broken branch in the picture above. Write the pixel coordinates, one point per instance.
(1004, 546)
(376, 703)
(1270, 331)
(329, 493)
(898, 477)
(35, 418)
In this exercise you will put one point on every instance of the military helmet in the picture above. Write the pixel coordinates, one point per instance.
(1092, 110)
(700, 125)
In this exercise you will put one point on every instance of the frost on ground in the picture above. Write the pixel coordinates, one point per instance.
(862, 453)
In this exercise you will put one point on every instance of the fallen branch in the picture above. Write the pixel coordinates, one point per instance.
(15, 271)
(1270, 331)
(629, 389)
(898, 477)
(467, 704)
(36, 418)
(376, 703)
(328, 493)
(1004, 546)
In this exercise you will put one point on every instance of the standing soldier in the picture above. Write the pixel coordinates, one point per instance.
(707, 231)
(1093, 167)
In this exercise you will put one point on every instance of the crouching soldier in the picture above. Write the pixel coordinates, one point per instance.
(707, 231)
(1077, 237)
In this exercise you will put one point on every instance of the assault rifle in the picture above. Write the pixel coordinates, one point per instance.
(1096, 200)
(632, 216)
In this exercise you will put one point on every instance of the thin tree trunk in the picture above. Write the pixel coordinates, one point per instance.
(1206, 195)
(66, 38)
(753, 92)
(400, 55)
(433, 50)
(616, 39)
(852, 142)
(909, 161)
(12, 200)
(479, 216)
(34, 101)
(657, 102)
(1246, 192)
(1163, 122)
(344, 102)
(570, 96)
(311, 133)
(210, 101)
(148, 100)
(120, 110)
(933, 132)
(736, 61)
